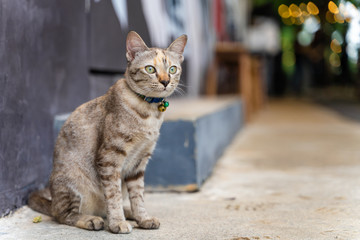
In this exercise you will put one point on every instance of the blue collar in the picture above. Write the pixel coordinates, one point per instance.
(150, 99)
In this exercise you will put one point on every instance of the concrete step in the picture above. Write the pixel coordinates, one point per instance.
(192, 138)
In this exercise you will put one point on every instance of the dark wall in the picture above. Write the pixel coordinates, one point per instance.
(43, 72)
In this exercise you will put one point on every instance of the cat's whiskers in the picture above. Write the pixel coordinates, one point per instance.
(179, 92)
(179, 89)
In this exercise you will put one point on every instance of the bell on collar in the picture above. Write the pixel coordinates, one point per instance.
(162, 107)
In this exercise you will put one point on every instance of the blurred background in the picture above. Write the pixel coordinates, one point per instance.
(58, 54)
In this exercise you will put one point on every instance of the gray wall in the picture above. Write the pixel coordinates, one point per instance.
(43, 71)
(108, 36)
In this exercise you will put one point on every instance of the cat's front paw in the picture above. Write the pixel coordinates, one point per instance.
(120, 227)
(149, 223)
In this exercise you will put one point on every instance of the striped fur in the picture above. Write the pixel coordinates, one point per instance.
(103, 148)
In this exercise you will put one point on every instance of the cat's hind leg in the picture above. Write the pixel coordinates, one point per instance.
(66, 210)
(40, 201)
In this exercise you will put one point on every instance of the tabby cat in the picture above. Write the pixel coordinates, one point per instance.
(104, 146)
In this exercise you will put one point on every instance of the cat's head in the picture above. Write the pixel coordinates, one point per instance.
(153, 72)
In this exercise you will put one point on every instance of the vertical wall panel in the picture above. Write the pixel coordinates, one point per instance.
(43, 71)
(108, 30)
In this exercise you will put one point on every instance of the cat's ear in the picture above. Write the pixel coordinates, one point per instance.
(178, 45)
(134, 44)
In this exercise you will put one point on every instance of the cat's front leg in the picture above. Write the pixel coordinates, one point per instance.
(109, 170)
(135, 185)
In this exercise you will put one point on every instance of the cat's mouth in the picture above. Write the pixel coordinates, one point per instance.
(162, 91)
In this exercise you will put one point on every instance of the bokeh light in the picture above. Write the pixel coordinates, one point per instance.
(335, 46)
(295, 11)
(305, 38)
(330, 17)
(334, 60)
(337, 35)
(284, 11)
(333, 8)
(288, 21)
(312, 24)
(339, 18)
(299, 20)
(304, 10)
(297, 15)
(312, 8)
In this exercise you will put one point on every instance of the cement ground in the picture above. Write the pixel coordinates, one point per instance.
(293, 173)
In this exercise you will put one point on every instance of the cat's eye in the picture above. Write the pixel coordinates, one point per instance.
(150, 69)
(173, 70)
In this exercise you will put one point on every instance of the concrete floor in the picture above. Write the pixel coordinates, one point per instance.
(293, 173)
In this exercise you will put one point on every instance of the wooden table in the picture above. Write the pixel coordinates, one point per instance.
(249, 79)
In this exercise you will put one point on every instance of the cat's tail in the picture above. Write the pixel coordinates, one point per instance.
(40, 201)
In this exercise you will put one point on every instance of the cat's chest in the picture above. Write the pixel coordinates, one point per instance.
(150, 129)
(139, 131)
(142, 146)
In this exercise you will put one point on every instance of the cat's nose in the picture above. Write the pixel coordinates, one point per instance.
(164, 82)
